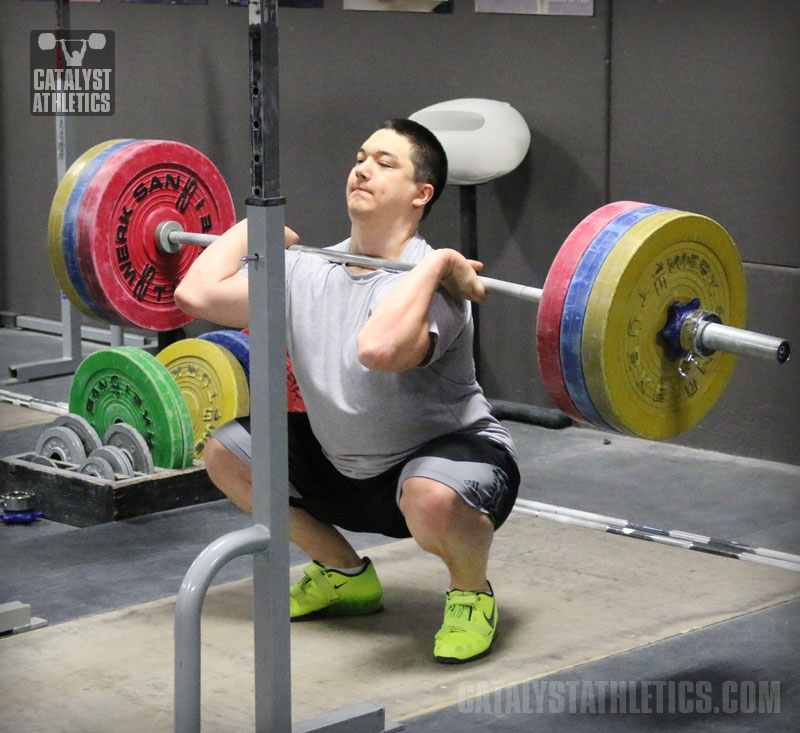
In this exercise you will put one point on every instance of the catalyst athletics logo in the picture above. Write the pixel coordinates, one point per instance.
(72, 73)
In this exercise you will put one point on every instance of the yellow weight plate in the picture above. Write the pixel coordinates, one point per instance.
(212, 382)
(670, 256)
(55, 223)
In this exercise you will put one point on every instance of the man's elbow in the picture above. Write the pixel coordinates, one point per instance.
(376, 360)
(381, 357)
(190, 300)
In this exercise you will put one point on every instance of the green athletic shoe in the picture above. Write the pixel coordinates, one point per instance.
(324, 592)
(470, 622)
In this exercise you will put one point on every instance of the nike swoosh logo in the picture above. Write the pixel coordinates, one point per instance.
(489, 621)
(340, 585)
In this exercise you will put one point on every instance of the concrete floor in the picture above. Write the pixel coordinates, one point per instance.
(661, 682)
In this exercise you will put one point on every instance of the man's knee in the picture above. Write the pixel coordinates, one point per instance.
(228, 473)
(215, 453)
(433, 504)
(221, 462)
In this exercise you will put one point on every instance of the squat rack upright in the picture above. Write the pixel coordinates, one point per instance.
(267, 540)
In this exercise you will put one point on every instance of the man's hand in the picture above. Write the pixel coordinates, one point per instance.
(460, 277)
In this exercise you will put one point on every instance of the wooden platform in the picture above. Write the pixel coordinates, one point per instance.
(81, 501)
(566, 596)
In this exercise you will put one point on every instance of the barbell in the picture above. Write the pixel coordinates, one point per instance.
(639, 318)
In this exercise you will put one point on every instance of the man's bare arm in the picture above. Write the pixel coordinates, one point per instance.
(397, 337)
(212, 289)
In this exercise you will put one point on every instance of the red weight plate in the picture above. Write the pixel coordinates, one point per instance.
(135, 190)
(294, 399)
(554, 293)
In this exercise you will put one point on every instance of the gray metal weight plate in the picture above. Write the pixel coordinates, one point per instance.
(97, 466)
(118, 459)
(40, 460)
(62, 444)
(129, 439)
(82, 427)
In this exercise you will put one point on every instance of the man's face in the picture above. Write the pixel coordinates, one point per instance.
(381, 182)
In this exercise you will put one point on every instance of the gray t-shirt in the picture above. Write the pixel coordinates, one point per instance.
(367, 421)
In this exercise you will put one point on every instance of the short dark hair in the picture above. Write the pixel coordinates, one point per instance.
(427, 155)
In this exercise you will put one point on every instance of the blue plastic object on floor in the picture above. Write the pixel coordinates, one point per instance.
(25, 517)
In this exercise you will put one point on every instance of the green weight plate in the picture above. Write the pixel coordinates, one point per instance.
(129, 385)
(177, 400)
(213, 384)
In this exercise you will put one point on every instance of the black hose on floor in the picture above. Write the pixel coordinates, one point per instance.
(546, 417)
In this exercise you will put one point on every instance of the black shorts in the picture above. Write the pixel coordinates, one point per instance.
(480, 471)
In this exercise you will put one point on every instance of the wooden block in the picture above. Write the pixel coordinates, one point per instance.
(81, 501)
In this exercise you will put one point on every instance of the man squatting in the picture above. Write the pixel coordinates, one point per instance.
(398, 438)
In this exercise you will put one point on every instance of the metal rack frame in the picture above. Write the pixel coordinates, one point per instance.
(267, 540)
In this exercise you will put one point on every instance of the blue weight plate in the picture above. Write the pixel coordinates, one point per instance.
(236, 342)
(69, 235)
(574, 310)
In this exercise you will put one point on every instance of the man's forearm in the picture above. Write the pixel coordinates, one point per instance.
(396, 337)
(212, 289)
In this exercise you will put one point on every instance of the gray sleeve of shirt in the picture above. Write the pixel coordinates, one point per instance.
(447, 318)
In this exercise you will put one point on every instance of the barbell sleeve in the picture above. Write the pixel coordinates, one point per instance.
(718, 337)
(202, 240)
(709, 337)
(170, 237)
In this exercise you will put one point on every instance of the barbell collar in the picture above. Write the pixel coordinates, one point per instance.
(690, 328)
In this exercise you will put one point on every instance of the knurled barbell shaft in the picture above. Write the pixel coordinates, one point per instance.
(523, 292)
(33, 403)
(710, 336)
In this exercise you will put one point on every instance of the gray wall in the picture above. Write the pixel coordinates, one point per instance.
(701, 114)
(705, 113)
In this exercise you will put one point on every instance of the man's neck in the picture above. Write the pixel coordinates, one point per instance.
(381, 240)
